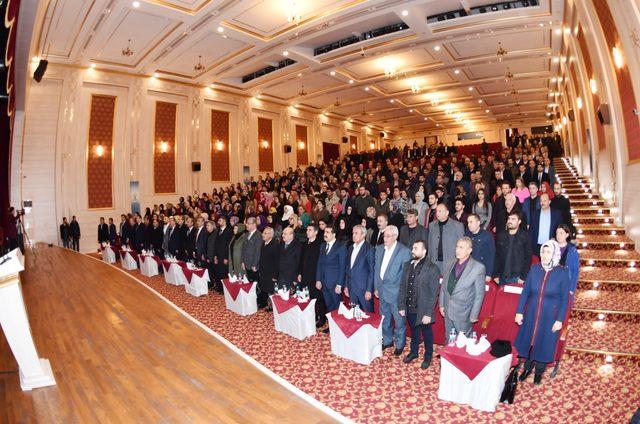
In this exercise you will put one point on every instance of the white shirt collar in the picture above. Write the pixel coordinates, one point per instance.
(393, 246)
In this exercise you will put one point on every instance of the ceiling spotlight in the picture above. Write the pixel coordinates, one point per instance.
(391, 101)
(405, 13)
(410, 110)
(93, 66)
(457, 71)
(136, 4)
(479, 101)
(333, 73)
(618, 59)
(155, 75)
(436, 48)
(425, 118)
(486, 110)
(437, 125)
(593, 85)
(220, 29)
(285, 53)
(350, 81)
(366, 88)
(470, 88)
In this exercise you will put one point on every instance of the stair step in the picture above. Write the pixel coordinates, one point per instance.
(609, 275)
(617, 333)
(587, 202)
(590, 210)
(606, 301)
(609, 286)
(603, 229)
(608, 258)
(600, 242)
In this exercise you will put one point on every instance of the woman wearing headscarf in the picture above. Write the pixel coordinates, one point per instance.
(568, 255)
(336, 210)
(288, 211)
(541, 311)
(235, 249)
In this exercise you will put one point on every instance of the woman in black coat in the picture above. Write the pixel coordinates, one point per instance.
(211, 252)
(268, 267)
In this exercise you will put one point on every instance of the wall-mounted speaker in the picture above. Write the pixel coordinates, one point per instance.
(572, 115)
(381, 134)
(40, 70)
(287, 148)
(195, 166)
(603, 114)
(345, 140)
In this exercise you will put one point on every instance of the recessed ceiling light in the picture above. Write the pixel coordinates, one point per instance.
(541, 24)
(436, 48)
(437, 125)
(333, 73)
(350, 81)
(136, 4)
(470, 88)
(410, 110)
(486, 110)
(366, 88)
(220, 29)
(405, 13)
(392, 100)
(426, 119)
(285, 53)
(299, 74)
(479, 101)
(93, 66)
(457, 71)
(155, 75)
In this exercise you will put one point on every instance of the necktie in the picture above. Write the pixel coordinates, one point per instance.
(327, 249)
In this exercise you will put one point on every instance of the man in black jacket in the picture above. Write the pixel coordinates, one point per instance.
(156, 238)
(562, 203)
(190, 240)
(201, 242)
(289, 258)
(210, 254)
(112, 232)
(103, 231)
(65, 233)
(513, 252)
(307, 271)
(417, 298)
(138, 235)
(251, 250)
(223, 238)
(74, 232)
(268, 267)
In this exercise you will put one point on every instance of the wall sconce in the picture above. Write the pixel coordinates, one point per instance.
(353, 146)
(564, 120)
(99, 150)
(618, 58)
(593, 85)
(301, 144)
(164, 147)
(264, 144)
(219, 145)
(579, 102)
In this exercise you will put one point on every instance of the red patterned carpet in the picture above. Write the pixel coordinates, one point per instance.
(611, 300)
(585, 391)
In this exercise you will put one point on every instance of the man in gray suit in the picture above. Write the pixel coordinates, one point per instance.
(251, 250)
(462, 289)
(443, 235)
(390, 257)
(413, 231)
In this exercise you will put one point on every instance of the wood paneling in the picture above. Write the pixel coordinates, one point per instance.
(219, 146)
(164, 148)
(302, 153)
(121, 354)
(100, 166)
(623, 77)
(353, 141)
(265, 154)
(595, 98)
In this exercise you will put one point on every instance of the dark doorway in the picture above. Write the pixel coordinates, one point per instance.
(330, 151)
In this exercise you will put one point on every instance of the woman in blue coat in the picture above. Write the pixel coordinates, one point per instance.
(542, 308)
(568, 255)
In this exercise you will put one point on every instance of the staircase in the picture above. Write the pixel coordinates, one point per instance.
(606, 315)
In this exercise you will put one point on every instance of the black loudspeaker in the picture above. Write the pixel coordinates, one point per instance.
(572, 115)
(40, 70)
(603, 114)
(287, 148)
(381, 134)
(195, 166)
(345, 140)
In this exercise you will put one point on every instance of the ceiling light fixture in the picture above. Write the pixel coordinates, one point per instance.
(436, 48)
(127, 51)
(508, 75)
(366, 88)
(136, 4)
(457, 71)
(618, 58)
(579, 102)
(480, 101)
(470, 89)
(337, 103)
(302, 92)
(333, 73)
(415, 88)
(199, 66)
(285, 53)
(220, 29)
(593, 85)
(293, 13)
(405, 13)
(501, 52)
(486, 111)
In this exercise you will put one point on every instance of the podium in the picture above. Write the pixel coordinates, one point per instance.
(34, 371)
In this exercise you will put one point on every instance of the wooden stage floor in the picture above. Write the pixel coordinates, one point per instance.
(121, 354)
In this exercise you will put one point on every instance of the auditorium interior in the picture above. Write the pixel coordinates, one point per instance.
(144, 144)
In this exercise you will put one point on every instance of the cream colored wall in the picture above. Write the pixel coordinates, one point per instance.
(52, 158)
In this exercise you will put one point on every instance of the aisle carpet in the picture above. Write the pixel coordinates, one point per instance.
(586, 390)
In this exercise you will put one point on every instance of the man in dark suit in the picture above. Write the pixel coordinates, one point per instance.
(377, 237)
(484, 248)
(174, 244)
(112, 232)
(417, 300)
(544, 224)
(181, 231)
(103, 231)
(156, 238)
(390, 258)
(126, 235)
(268, 267)
(359, 270)
(331, 267)
(190, 240)
(65, 233)
(309, 268)
(210, 251)
(541, 175)
(251, 250)
(289, 258)
(413, 231)
(201, 242)
(138, 235)
(74, 229)
(223, 238)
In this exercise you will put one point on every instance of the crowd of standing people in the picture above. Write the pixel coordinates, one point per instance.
(421, 229)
